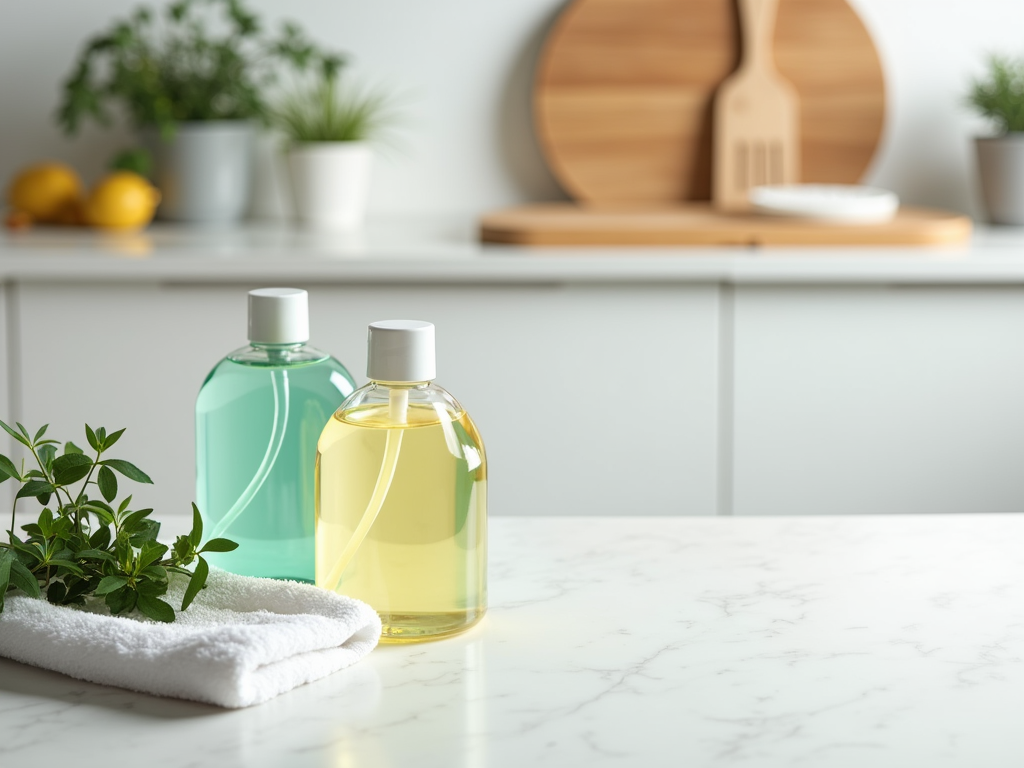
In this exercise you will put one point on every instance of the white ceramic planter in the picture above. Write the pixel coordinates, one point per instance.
(330, 183)
(1001, 172)
(204, 173)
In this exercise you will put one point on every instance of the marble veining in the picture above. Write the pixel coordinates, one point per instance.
(822, 642)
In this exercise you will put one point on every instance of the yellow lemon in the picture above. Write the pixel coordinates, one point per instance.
(45, 191)
(121, 200)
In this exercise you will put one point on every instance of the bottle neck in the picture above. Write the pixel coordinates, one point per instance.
(278, 352)
(400, 384)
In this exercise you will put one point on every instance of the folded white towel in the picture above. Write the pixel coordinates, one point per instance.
(242, 641)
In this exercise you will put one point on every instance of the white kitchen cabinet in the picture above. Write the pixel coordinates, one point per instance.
(877, 399)
(129, 356)
(592, 399)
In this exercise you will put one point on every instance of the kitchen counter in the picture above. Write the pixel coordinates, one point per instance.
(438, 249)
(823, 642)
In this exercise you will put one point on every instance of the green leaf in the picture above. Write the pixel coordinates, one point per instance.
(196, 535)
(77, 588)
(63, 527)
(23, 579)
(32, 552)
(183, 551)
(101, 510)
(219, 545)
(147, 530)
(197, 582)
(109, 584)
(70, 468)
(136, 160)
(151, 587)
(34, 488)
(113, 437)
(124, 505)
(127, 469)
(21, 427)
(56, 592)
(95, 554)
(6, 558)
(47, 453)
(100, 538)
(40, 433)
(8, 469)
(67, 565)
(122, 600)
(131, 521)
(70, 447)
(23, 440)
(155, 608)
(150, 553)
(107, 481)
(91, 437)
(45, 522)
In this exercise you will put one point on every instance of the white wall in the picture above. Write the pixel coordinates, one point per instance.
(465, 66)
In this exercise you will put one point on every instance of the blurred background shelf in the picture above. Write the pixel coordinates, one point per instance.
(445, 248)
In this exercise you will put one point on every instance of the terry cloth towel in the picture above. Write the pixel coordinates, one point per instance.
(242, 641)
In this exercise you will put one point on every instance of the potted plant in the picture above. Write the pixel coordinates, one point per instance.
(1000, 97)
(192, 95)
(329, 125)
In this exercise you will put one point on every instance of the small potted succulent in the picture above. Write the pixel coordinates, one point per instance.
(999, 96)
(329, 125)
(192, 95)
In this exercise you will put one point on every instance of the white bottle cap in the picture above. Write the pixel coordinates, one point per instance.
(401, 350)
(278, 316)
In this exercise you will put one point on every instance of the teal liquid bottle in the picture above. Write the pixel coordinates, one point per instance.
(259, 415)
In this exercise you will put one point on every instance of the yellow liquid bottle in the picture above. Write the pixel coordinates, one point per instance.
(401, 495)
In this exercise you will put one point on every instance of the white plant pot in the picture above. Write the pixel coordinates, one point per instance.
(330, 183)
(1001, 171)
(204, 173)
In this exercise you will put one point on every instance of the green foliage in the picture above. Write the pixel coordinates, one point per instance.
(84, 547)
(170, 68)
(1000, 96)
(328, 111)
(136, 160)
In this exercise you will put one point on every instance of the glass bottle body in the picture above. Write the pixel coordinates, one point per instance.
(258, 417)
(402, 509)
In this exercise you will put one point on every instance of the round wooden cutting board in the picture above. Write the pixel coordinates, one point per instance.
(622, 99)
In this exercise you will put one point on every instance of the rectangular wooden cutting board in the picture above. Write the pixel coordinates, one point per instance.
(700, 224)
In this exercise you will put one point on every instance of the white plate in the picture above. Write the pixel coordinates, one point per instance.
(831, 202)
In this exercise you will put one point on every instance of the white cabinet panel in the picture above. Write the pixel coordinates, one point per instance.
(590, 399)
(878, 400)
(129, 356)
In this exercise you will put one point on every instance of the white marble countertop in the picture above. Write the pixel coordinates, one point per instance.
(820, 642)
(445, 249)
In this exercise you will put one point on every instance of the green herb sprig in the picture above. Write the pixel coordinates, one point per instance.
(1000, 95)
(84, 547)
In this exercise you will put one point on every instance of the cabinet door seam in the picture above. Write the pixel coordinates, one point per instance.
(726, 397)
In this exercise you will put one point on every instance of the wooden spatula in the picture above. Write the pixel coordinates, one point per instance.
(756, 116)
